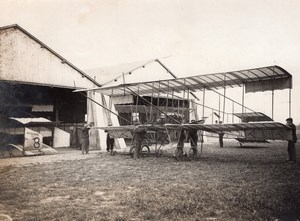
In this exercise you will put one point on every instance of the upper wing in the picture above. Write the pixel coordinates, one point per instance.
(257, 79)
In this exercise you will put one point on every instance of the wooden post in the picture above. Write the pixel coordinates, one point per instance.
(167, 101)
(183, 99)
(203, 103)
(243, 97)
(137, 101)
(290, 102)
(151, 107)
(224, 100)
(158, 94)
(110, 101)
(173, 100)
(272, 104)
(219, 105)
(273, 94)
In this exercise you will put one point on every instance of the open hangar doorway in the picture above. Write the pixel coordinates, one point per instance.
(67, 110)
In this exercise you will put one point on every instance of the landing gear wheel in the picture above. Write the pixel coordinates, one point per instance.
(145, 151)
(192, 154)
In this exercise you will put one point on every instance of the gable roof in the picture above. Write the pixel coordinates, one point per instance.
(43, 45)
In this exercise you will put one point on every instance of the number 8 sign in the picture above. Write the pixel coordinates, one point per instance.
(32, 140)
(36, 143)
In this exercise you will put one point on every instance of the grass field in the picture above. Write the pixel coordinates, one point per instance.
(230, 183)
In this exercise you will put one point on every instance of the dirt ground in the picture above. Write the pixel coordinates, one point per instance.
(230, 183)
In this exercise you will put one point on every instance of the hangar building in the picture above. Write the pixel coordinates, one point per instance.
(35, 81)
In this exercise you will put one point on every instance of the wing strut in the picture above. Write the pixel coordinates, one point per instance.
(151, 110)
(153, 106)
(224, 100)
(203, 103)
(290, 103)
(104, 107)
(173, 75)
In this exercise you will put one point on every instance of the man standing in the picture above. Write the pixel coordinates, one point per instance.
(138, 137)
(291, 143)
(221, 135)
(109, 143)
(85, 138)
(193, 135)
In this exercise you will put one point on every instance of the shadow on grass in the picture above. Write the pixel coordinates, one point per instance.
(252, 147)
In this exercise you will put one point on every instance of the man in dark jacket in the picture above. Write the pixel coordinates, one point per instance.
(110, 143)
(193, 135)
(291, 143)
(139, 134)
(85, 138)
(221, 135)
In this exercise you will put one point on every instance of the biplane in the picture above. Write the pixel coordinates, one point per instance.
(252, 127)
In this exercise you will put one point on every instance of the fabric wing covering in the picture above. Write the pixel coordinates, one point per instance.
(252, 131)
(257, 79)
(31, 120)
(206, 127)
(252, 117)
(229, 127)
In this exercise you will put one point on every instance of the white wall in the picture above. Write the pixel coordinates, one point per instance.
(24, 60)
(101, 118)
(61, 138)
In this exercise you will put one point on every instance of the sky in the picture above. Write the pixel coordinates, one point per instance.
(195, 36)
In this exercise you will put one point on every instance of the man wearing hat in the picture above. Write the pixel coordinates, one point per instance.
(138, 137)
(109, 142)
(291, 143)
(85, 138)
